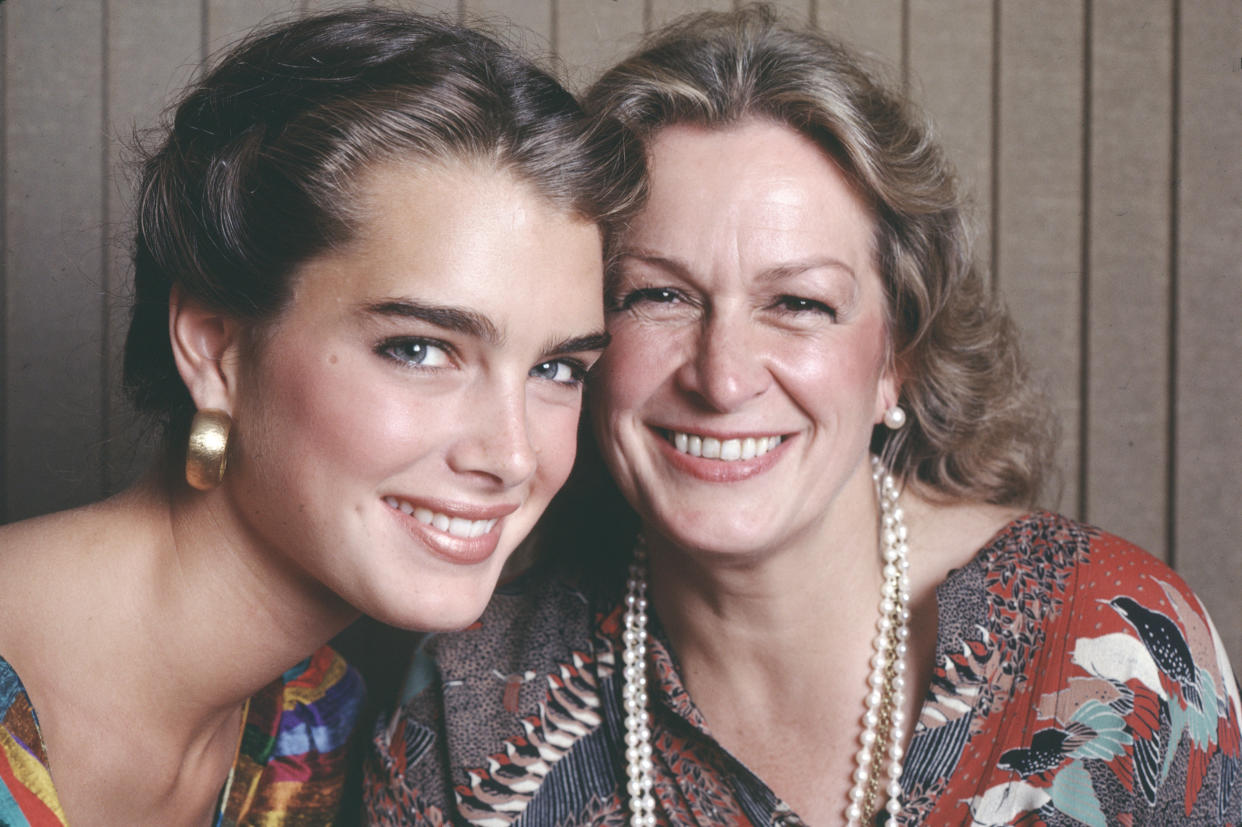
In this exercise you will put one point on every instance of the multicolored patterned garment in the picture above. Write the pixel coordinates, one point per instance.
(1078, 682)
(291, 768)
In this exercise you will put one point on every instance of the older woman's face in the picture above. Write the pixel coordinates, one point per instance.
(412, 411)
(747, 364)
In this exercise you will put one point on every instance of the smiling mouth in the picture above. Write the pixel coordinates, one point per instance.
(456, 526)
(725, 450)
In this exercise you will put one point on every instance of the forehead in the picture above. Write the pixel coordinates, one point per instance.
(752, 183)
(465, 234)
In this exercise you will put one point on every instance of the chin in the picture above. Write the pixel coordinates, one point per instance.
(717, 538)
(424, 619)
(440, 609)
(716, 530)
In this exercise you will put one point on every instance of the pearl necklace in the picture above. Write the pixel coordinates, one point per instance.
(884, 719)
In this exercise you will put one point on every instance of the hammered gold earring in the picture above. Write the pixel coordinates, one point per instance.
(207, 453)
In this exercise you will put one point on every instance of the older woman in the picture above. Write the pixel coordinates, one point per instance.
(368, 281)
(838, 607)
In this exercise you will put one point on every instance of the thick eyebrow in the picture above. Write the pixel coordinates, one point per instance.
(457, 319)
(475, 324)
(580, 344)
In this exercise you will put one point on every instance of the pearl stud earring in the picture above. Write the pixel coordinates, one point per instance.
(895, 417)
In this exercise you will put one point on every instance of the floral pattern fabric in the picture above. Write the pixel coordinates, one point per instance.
(1078, 681)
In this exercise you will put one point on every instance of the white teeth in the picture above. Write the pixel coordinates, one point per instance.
(727, 450)
(457, 526)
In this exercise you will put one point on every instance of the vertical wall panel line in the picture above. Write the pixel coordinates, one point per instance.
(1084, 281)
(905, 46)
(204, 39)
(1175, 118)
(554, 40)
(106, 237)
(4, 282)
(994, 209)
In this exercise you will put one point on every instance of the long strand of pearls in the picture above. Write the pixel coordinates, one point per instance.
(884, 718)
(883, 722)
(638, 768)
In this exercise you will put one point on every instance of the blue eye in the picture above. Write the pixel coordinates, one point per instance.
(423, 353)
(561, 371)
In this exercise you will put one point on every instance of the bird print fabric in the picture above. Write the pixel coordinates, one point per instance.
(1078, 681)
(1097, 693)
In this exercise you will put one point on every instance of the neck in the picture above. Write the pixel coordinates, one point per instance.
(728, 613)
(211, 612)
(883, 733)
(147, 624)
(267, 614)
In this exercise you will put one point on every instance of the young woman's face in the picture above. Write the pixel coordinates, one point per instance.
(407, 417)
(748, 361)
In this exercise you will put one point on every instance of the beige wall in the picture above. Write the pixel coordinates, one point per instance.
(1101, 138)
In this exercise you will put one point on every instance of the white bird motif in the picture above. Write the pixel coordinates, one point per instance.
(1119, 657)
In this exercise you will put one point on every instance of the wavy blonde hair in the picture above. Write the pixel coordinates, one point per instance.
(977, 428)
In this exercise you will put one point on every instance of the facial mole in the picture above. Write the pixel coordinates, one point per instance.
(332, 359)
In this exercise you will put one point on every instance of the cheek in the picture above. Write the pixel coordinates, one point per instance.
(635, 364)
(554, 435)
(346, 415)
(824, 372)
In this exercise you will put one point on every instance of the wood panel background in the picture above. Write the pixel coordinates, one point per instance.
(1100, 139)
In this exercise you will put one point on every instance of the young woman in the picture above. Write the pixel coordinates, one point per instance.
(368, 279)
(839, 606)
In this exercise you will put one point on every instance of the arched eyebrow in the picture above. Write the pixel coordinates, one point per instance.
(781, 271)
(457, 319)
(475, 324)
(671, 265)
(795, 268)
(592, 342)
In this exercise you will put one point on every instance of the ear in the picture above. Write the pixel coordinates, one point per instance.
(205, 346)
(887, 392)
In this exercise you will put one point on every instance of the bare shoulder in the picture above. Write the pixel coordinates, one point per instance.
(33, 552)
(42, 537)
(46, 562)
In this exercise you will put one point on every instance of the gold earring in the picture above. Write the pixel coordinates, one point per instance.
(207, 453)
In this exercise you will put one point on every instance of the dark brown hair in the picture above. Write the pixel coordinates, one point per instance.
(977, 428)
(260, 168)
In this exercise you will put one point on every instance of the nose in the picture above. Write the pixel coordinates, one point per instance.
(727, 367)
(494, 441)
